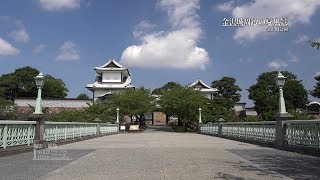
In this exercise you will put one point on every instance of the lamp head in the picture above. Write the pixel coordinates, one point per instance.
(280, 80)
(39, 80)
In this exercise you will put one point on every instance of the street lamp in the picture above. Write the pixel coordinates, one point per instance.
(117, 115)
(200, 115)
(39, 82)
(280, 82)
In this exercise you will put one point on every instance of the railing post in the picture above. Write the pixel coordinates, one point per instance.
(220, 129)
(39, 140)
(29, 134)
(281, 129)
(317, 126)
(55, 133)
(65, 132)
(73, 131)
(5, 136)
(98, 121)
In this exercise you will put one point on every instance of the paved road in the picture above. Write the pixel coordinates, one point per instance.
(163, 155)
(158, 128)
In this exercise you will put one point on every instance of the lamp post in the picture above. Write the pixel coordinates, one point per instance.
(282, 115)
(39, 82)
(117, 115)
(280, 82)
(38, 116)
(200, 121)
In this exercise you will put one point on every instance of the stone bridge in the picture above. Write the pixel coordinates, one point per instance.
(160, 153)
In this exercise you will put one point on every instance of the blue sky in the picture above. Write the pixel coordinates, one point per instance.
(160, 41)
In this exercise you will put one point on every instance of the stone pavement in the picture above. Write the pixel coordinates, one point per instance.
(163, 155)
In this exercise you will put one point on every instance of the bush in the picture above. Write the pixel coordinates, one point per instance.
(88, 114)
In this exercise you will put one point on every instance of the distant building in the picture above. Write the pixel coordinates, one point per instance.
(241, 111)
(313, 108)
(206, 90)
(111, 78)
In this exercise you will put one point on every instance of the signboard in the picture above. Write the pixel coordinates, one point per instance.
(122, 128)
(134, 128)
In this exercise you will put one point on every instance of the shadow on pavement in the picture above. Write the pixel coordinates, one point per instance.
(290, 164)
(22, 166)
(158, 128)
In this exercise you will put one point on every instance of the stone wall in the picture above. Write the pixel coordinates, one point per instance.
(53, 105)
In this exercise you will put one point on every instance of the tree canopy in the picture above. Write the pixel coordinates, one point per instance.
(314, 44)
(166, 87)
(21, 83)
(134, 102)
(316, 91)
(183, 103)
(265, 93)
(228, 89)
(83, 96)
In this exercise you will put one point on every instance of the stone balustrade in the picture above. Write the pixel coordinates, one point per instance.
(16, 133)
(297, 133)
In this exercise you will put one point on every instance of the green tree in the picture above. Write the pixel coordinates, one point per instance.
(314, 44)
(217, 108)
(103, 111)
(54, 88)
(228, 89)
(265, 94)
(134, 102)
(83, 96)
(21, 83)
(166, 87)
(183, 103)
(316, 91)
(7, 109)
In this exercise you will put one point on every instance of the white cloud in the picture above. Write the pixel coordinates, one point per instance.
(19, 35)
(277, 64)
(302, 39)
(142, 28)
(175, 48)
(293, 58)
(39, 48)
(68, 52)
(225, 7)
(7, 49)
(296, 11)
(60, 5)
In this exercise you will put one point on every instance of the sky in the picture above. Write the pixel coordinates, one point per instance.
(159, 40)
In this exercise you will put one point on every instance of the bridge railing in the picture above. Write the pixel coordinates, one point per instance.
(260, 131)
(55, 131)
(16, 133)
(106, 128)
(296, 133)
(303, 133)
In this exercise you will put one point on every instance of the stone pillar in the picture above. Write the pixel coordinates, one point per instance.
(220, 125)
(220, 129)
(38, 140)
(98, 121)
(281, 129)
(152, 114)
